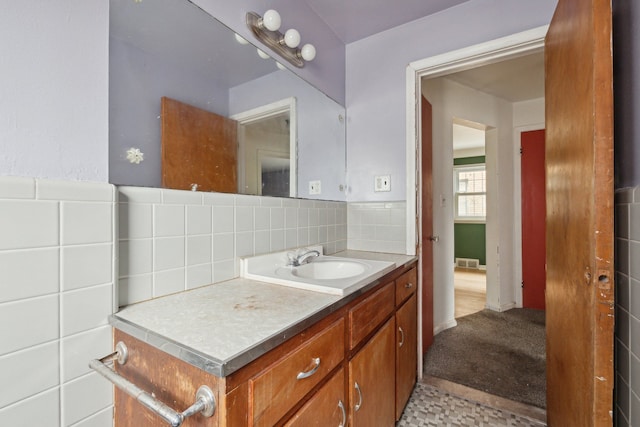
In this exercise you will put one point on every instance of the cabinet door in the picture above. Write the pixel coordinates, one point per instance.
(372, 380)
(406, 352)
(326, 408)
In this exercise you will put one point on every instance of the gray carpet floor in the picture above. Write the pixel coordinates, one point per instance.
(499, 353)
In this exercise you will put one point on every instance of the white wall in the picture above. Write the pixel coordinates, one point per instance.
(452, 100)
(375, 81)
(54, 89)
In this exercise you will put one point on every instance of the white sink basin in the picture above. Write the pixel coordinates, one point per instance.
(326, 274)
(324, 269)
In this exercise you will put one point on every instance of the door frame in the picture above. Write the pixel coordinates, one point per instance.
(512, 46)
(264, 112)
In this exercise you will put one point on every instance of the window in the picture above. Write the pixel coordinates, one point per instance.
(470, 186)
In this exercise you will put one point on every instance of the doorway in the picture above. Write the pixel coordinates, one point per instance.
(469, 222)
(517, 45)
(501, 121)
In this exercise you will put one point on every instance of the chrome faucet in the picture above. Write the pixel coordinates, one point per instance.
(298, 259)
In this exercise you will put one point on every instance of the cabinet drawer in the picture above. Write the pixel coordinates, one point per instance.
(276, 391)
(368, 314)
(325, 408)
(406, 285)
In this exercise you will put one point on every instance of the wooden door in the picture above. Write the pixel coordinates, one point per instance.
(198, 147)
(426, 244)
(372, 381)
(406, 352)
(533, 218)
(579, 177)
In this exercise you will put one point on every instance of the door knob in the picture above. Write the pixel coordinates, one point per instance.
(434, 239)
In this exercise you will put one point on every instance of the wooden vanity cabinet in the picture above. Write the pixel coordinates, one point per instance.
(356, 365)
(171, 380)
(406, 352)
(327, 407)
(406, 338)
(275, 391)
(371, 388)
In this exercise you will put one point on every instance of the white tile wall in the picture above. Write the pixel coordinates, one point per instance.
(376, 227)
(627, 342)
(197, 238)
(57, 257)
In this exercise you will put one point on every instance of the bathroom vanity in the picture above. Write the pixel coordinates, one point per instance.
(274, 355)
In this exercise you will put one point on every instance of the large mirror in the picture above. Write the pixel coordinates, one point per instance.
(180, 82)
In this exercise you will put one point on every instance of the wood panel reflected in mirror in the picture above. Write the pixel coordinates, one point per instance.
(174, 49)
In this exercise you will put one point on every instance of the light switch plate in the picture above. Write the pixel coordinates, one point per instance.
(314, 187)
(383, 183)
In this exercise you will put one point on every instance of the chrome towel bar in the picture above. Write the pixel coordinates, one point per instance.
(205, 400)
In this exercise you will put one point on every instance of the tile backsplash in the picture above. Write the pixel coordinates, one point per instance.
(71, 253)
(172, 240)
(377, 227)
(56, 293)
(627, 335)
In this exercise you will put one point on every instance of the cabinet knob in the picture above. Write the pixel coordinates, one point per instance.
(359, 404)
(344, 414)
(401, 336)
(408, 285)
(307, 374)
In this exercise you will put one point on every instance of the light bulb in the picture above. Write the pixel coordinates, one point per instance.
(262, 55)
(280, 66)
(308, 52)
(271, 20)
(292, 38)
(241, 39)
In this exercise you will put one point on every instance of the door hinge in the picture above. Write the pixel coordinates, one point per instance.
(522, 284)
(521, 151)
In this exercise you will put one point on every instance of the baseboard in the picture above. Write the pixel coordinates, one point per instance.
(501, 307)
(446, 325)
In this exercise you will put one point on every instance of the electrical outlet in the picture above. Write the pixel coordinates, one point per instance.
(383, 183)
(314, 187)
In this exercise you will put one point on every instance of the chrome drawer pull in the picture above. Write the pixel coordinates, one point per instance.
(401, 336)
(303, 375)
(359, 404)
(408, 285)
(344, 414)
(205, 403)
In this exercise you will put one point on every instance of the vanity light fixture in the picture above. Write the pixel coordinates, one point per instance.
(266, 29)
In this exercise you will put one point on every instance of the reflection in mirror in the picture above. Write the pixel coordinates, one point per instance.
(173, 49)
(267, 149)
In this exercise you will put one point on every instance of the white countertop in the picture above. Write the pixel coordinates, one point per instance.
(222, 327)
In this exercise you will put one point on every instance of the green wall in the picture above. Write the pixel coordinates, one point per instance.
(470, 239)
(469, 160)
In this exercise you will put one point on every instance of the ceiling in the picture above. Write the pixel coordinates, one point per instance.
(356, 19)
(514, 80)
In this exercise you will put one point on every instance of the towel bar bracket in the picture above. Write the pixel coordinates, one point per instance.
(205, 403)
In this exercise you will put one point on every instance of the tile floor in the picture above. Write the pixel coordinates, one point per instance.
(430, 406)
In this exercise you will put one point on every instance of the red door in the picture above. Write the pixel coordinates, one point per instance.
(427, 225)
(533, 219)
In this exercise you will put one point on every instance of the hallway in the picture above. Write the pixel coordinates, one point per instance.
(470, 291)
(499, 353)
